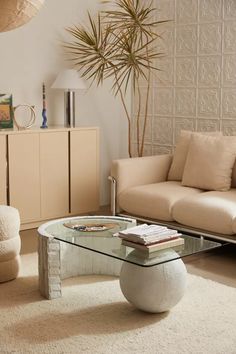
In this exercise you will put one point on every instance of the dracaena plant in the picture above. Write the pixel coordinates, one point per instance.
(120, 44)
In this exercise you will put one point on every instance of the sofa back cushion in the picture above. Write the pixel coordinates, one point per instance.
(179, 157)
(210, 162)
(181, 152)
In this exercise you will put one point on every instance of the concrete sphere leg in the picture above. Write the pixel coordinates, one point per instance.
(156, 288)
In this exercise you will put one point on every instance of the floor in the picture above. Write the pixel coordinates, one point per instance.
(218, 265)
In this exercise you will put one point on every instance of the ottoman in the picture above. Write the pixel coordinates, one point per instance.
(10, 243)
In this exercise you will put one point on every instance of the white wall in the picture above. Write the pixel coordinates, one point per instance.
(33, 54)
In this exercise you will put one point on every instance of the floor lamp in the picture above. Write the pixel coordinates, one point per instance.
(69, 81)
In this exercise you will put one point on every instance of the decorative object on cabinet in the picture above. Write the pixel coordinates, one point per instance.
(44, 111)
(69, 81)
(120, 44)
(31, 120)
(6, 111)
(16, 13)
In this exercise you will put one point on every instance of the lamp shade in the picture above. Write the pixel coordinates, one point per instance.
(69, 79)
(16, 13)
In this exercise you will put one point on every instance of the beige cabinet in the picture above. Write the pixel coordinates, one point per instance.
(84, 171)
(54, 174)
(3, 170)
(24, 175)
(50, 173)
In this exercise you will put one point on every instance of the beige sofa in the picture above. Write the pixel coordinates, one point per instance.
(144, 187)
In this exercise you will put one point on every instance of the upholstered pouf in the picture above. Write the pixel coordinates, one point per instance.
(9, 243)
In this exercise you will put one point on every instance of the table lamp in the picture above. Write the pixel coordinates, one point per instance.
(69, 81)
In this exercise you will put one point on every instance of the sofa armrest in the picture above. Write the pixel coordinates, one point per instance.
(140, 170)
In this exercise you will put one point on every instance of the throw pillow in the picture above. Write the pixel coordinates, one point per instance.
(210, 162)
(180, 154)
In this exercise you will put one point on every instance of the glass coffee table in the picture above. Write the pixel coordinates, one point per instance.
(87, 245)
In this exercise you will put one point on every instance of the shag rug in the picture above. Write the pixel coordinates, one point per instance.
(93, 317)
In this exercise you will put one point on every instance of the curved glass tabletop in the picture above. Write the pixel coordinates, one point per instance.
(96, 234)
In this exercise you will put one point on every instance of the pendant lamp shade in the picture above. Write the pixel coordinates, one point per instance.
(16, 13)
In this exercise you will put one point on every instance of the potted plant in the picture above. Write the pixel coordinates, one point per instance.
(119, 44)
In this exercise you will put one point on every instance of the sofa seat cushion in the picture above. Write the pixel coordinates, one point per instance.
(154, 200)
(211, 211)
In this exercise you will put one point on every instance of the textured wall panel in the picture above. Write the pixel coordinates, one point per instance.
(230, 9)
(196, 87)
(210, 38)
(186, 11)
(147, 151)
(209, 71)
(186, 71)
(160, 149)
(229, 103)
(186, 40)
(183, 124)
(228, 127)
(208, 103)
(229, 37)
(166, 9)
(164, 77)
(210, 10)
(208, 125)
(185, 102)
(163, 101)
(229, 70)
(166, 45)
(163, 131)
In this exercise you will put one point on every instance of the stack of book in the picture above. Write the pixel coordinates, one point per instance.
(151, 238)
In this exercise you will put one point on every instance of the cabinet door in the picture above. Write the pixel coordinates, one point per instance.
(24, 175)
(84, 170)
(3, 170)
(54, 174)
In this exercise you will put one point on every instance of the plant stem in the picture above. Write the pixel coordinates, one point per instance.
(145, 116)
(138, 117)
(126, 112)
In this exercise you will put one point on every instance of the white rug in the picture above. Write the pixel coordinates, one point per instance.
(93, 317)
